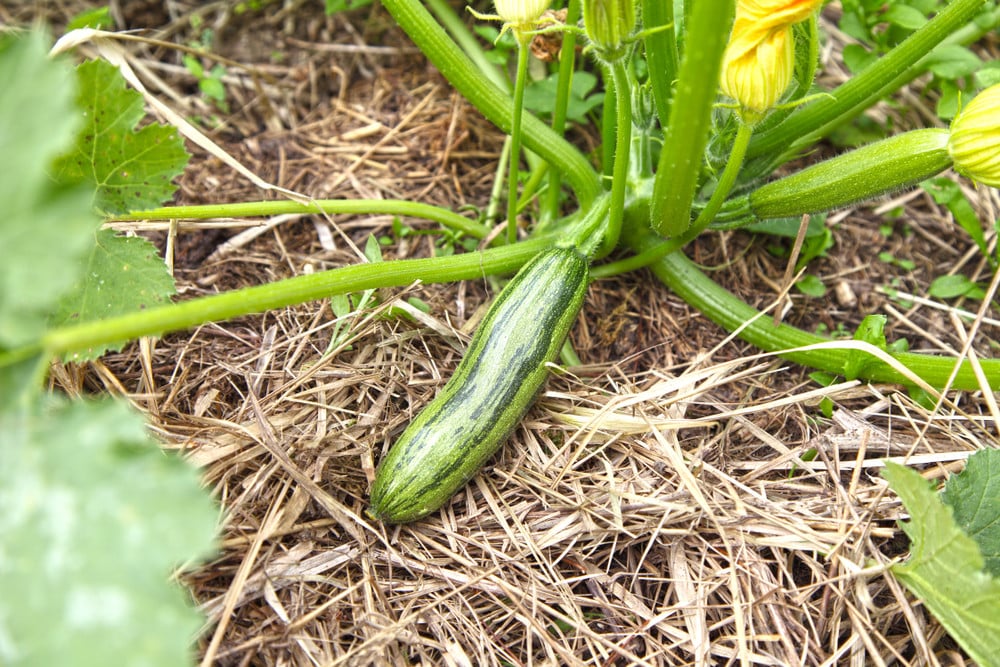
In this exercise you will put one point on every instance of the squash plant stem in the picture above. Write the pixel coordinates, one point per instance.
(684, 278)
(402, 207)
(300, 289)
(623, 144)
(523, 40)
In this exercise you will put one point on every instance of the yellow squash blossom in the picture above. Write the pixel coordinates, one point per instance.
(776, 12)
(521, 14)
(756, 71)
(760, 59)
(974, 142)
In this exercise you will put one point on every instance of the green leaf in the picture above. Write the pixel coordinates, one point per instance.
(122, 275)
(945, 568)
(334, 6)
(952, 61)
(857, 57)
(193, 65)
(988, 75)
(373, 251)
(93, 517)
(45, 229)
(21, 383)
(872, 331)
(98, 17)
(948, 192)
(132, 169)
(950, 287)
(854, 25)
(212, 86)
(540, 96)
(974, 497)
(947, 104)
(905, 17)
(811, 285)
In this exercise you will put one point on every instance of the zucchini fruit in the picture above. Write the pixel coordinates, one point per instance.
(493, 386)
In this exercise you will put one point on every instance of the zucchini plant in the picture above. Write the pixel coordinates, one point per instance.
(681, 157)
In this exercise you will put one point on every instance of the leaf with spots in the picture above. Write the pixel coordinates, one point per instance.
(45, 228)
(974, 497)
(93, 518)
(133, 168)
(122, 275)
(946, 568)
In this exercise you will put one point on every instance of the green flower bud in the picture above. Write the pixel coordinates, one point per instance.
(974, 143)
(609, 25)
(864, 173)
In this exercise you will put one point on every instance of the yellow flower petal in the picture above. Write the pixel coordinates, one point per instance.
(974, 143)
(756, 73)
(520, 13)
(760, 58)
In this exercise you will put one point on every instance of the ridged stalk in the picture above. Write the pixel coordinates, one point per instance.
(690, 120)
(300, 289)
(681, 275)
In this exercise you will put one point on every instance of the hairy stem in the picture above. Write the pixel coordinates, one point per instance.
(319, 206)
(686, 133)
(681, 275)
(515, 135)
(300, 289)
(623, 144)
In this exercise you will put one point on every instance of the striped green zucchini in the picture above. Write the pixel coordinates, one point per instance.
(493, 386)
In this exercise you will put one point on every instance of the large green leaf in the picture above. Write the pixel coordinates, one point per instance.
(974, 497)
(946, 569)
(132, 168)
(44, 229)
(123, 274)
(93, 516)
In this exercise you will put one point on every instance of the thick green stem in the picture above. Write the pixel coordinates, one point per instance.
(319, 206)
(497, 106)
(806, 124)
(681, 275)
(523, 42)
(690, 120)
(661, 53)
(300, 289)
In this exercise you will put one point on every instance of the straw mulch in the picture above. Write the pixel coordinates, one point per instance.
(658, 506)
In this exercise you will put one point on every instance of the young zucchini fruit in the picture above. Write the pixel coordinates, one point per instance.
(493, 386)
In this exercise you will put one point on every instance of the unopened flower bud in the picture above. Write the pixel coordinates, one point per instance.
(974, 143)
(609, 25)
